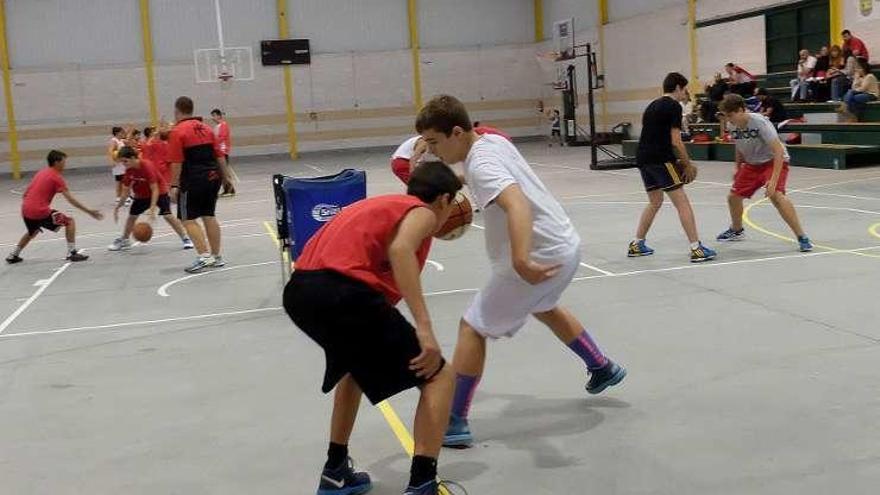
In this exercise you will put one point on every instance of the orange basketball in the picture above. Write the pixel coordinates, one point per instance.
(142, 232)
(459, 220)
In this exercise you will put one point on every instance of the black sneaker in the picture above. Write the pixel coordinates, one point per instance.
(607, 376)
(344, 480)
(13, 259)
(77, 256)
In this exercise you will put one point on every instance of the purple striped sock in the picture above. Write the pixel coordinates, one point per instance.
(584, 347)
(465, 386)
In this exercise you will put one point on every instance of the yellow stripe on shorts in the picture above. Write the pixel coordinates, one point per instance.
(674, 173)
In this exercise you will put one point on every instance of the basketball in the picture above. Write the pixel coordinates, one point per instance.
(459, 220)
(142, 232)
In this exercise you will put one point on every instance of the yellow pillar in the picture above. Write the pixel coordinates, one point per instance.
(692, 33)
(284, 32)
(147, 41)
(539, 21)
(414, 46)
(836, 19)
(603, 20)
(14, 157)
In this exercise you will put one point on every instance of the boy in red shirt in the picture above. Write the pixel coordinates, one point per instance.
(221, 130)
(37, 212)
(150, 192)
(343, 294)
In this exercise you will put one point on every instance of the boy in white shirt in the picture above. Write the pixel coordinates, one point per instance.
(533, 248)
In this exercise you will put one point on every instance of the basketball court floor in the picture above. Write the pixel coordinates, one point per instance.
(753, 374)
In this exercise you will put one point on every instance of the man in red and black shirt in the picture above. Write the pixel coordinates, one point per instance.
(149, 188)
(198, 169)
(37, 212)
(348, 280)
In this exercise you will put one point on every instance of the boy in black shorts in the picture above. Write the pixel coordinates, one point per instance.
(661, 173)
(150, 195)
(343, 293)
(37, 212)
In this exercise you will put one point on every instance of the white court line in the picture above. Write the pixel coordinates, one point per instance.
(43, 284)
(596, 269)
(315, 168)
(867, 198)
(436, 265)
(140, 323)
(480, 227)
(163, 290)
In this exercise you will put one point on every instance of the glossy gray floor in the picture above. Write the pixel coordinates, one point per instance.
(755, 374)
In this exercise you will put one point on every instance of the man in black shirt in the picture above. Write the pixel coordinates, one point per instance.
(662, 173)
(771, 108)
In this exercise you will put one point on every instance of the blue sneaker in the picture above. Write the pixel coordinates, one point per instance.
(731, 235)
(805, 244)
(639, 248)
(607, 376)
(458, 433)
(344, 480)
(702, 253)
(429, 488)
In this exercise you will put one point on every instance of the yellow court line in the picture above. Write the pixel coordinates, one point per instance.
(274, 235)
(874, 230)
(751, 223)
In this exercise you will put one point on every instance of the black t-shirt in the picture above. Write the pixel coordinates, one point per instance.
(655, 144)
(779, 113)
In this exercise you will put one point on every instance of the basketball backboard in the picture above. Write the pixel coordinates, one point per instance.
(563, 39)
(227, 64)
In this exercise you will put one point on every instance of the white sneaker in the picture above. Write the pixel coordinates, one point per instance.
(218, 262)
(119, 244)
(188, 243)
(200, 264)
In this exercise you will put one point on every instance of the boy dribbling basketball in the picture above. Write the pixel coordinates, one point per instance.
(533, 248)
(150, 191)
(349, 278)
(37, 212)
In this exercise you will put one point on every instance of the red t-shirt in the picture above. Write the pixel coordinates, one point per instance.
(140, 178)
(484, 129)
(37, 201)
(856, 44)
(192, 143)
(355, 243)
(224, 137)
(156, 152)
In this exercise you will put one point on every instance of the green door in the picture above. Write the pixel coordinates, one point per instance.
(792, 28)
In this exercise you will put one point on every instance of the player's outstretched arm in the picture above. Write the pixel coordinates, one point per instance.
(416, 226)
(519, 228)
(75, 202)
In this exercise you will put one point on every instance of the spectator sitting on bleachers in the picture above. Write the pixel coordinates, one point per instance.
(819, 89)
(715, 93)
(864, 89)
(739, 80)
(854, 45)
(805, 68)
(771, 108)
(841, 78)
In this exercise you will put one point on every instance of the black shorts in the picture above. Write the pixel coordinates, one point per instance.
(119, 177)
(198, 199)
(663, 176)
(52, 223)
(360, 332)
(555, 132)
(141, 205)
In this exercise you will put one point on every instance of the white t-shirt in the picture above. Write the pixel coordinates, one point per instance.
(406, 149)
(755, 140)
(118, 169)
(494, 164)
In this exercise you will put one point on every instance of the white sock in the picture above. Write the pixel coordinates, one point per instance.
(695, 245)
(71, 246)
(16, 251)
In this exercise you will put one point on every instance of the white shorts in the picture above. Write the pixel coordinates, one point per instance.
(502, 307)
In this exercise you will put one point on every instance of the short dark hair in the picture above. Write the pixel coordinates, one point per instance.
(730, 64)
(127, 152)
(442, 114)
(477, 123)
(217, 111)
(762, 92)
(731, 103)
(672, 81)
(116, 130)
(55, 156)
(431, 180)
(863, 63)
(148, 131)
(845, 32)
(184, 105)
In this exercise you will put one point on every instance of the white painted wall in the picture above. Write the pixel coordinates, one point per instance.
(336, 26)
(624, 9)
(707, 9)
(742, 42)
(44, 33)
(457, 23)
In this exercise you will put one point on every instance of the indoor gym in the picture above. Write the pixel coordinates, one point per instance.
(748, 374)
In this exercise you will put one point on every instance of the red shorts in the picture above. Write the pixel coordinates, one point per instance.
(749, 178)
(400, 167)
